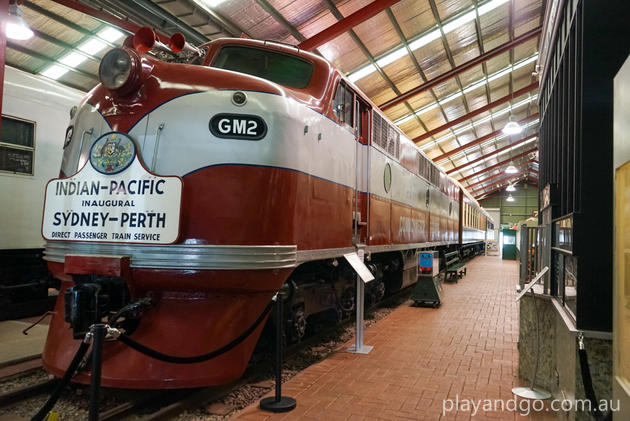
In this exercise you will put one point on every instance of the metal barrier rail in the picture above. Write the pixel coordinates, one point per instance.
(530, 255)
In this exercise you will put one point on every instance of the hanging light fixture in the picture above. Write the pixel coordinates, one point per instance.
(510, 198)
(510, 187)
(511, 169)
(512, 127)
(16, 27)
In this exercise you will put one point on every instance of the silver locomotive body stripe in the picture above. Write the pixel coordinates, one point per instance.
(182, 256)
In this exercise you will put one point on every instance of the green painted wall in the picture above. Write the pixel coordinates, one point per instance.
(525, 202)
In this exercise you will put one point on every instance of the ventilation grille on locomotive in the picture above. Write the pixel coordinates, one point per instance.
(386, 136)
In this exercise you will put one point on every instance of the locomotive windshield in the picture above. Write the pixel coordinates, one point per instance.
(277, 67)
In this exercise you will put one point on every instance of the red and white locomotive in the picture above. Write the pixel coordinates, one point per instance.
(199, 190)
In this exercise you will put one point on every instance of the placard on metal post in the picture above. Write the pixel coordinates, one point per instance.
(364, 276)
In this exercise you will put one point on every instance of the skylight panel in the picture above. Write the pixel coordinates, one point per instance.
(73, 59)
(55, 72)
(92, 46)
(428, 37)
(110, 34)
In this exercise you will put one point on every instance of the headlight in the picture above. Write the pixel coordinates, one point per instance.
(115, 69)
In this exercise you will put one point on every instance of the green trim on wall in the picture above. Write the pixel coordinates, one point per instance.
(525, 202)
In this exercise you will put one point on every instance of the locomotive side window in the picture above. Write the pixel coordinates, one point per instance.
(17, 145)
(349, 105)
(343, 104)
(284, 69)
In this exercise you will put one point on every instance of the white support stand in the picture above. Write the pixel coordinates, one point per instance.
(533, 392)
(364, 276)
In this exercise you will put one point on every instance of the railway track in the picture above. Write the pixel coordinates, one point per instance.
(19, 366)
(164, 405)
(26, 392)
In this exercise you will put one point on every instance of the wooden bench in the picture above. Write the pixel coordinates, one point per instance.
(455, 268)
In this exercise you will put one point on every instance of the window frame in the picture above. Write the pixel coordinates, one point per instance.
(21, 147)
(269, 50)
(341, 118)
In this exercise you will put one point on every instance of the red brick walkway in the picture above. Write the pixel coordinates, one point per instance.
(421, 357)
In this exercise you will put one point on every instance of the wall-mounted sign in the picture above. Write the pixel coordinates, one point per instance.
(128, 205)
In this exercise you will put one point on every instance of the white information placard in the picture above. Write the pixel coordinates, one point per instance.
(359, 267)
(119, 203)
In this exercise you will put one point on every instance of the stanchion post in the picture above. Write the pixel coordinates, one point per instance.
(98, 337)
(363, 275)
(278, 403)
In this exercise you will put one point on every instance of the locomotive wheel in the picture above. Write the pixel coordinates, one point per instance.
(348, 300)
(297, 324)
(378, 292)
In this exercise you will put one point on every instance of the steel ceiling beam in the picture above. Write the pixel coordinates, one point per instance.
(476, 112)
(461, 68)
(64, 45)
(486, 194)
(60, 19)
(492, 177)
(498, 164)
(496, 151)
(337, 14)
(451, 61)
(507, 179)
(218, 20)
(501, 170)
(39, 56)
(346, 24)
(414, 60)
(480, 45)
(525, 177)
(73, 48)
(278, 17)
(147, 7)
(104, 16)
(482, 139)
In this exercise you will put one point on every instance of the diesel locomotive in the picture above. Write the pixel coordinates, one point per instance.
(191, 191)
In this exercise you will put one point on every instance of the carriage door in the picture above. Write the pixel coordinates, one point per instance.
(362, 133)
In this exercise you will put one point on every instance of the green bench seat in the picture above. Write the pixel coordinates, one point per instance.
(455, 268)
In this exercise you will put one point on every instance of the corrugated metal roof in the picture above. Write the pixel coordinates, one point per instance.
(440, 33)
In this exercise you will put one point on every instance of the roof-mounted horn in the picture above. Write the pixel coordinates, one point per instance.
(178, 43)
(146, 40)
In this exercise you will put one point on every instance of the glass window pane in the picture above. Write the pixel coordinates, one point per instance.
(338, 103)
(16, 160)
(277, 67)
(349, 107)
(17, 132)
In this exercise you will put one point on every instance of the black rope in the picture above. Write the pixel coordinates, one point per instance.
(65, 380)
(198, 358)
(589, 390)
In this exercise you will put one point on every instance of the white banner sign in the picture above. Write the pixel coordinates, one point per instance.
(122, 202)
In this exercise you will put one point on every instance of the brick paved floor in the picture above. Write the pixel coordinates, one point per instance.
(467, 348)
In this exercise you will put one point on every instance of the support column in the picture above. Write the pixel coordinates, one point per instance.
(4, 14)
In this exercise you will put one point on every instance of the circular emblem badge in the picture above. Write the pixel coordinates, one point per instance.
(387, 178)
(112, 153)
